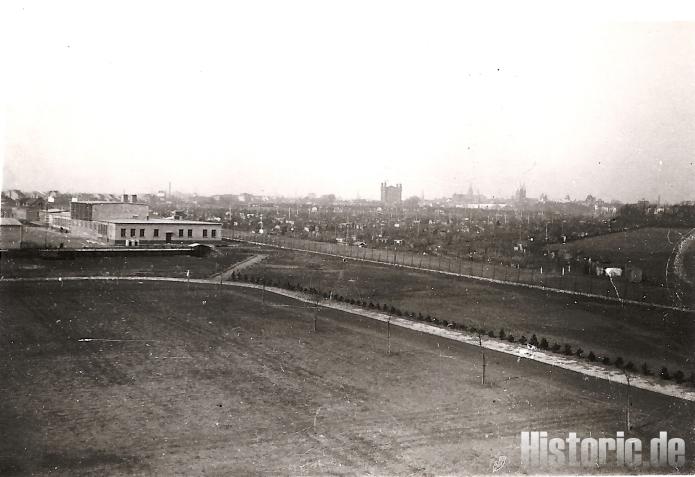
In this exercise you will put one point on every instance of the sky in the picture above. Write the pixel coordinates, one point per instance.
(297, 97)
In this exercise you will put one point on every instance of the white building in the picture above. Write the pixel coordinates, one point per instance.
(152, 231)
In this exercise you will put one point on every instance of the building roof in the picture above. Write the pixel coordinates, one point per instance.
(161, 222)
(8, 222)
(93, 202)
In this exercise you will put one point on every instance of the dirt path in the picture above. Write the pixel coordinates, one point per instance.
(237, 267)
(607, 373)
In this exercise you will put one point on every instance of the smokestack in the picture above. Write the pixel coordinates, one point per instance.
(134, 198)
(125, 197)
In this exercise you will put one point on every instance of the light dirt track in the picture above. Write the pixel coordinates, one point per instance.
(587, 369)
(237, 267)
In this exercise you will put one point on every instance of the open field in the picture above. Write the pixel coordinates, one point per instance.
(551, 274)
(648, 248)
(125, 265)
(209, 380)
(637, 334)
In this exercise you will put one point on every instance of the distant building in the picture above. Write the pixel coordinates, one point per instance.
(10, 233)
(391, 195)
(28, 209)
(107, 210)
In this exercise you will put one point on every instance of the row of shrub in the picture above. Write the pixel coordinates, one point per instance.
(542, 343)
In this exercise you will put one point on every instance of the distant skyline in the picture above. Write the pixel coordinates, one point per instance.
(290, 98)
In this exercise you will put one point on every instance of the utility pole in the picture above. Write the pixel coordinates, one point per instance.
(482, 352)
(316, 310)
(388, 333)
(629, 404)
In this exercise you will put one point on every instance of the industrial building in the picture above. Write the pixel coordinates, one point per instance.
(10, 233)
(128, 223)
(105, 211)
(136, 232)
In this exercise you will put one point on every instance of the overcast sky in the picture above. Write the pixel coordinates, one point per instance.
(334, 97)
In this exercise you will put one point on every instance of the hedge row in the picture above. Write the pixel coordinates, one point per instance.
(542, 343)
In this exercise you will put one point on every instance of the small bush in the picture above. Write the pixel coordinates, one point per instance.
(371, 305)
(606, 360)
(678, 376)
(618, 362)
(534, 340)
(543, 344)
(523, 340)
(645, 369)
(510, 338)
(629, 366)
(567, 350)
(579, 352)
(502, 334)
(491, 334)
(420, 317)
(664, 374)
(591, 356)
(555, 348)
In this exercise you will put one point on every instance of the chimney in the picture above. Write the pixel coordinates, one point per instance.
(125, 197)
(134, 198)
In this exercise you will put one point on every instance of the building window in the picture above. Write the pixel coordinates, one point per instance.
(156, 233)
(180, 232)
(132, 232)
(122, 232)
(190, 233)
(142, 232)
(214, 233)
(205, 233)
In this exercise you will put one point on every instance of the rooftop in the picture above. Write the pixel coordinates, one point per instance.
(9, 221)
(106, 202)
(161, 221)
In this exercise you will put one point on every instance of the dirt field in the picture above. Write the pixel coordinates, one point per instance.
(132, 265)
(210, 380)
(638, 334)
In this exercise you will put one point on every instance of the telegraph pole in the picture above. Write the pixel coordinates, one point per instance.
(482, 352)
(388, 333)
